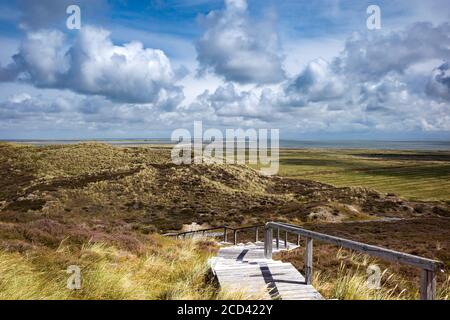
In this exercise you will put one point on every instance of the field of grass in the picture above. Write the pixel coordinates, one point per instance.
(410, 174)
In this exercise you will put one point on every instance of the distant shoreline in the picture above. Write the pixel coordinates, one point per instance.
(284, 144)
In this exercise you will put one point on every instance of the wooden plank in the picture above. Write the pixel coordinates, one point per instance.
(300, 297)
(257, 273)
(273, 269)
(292, 292)
(253, 274)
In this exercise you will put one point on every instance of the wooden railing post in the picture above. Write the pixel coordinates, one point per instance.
(256, 234)
(285, 239)
(298, 240)
(428, 285)
(278, 238)
(309, 260)
(225, 238)
(235, 236)
(268, 242)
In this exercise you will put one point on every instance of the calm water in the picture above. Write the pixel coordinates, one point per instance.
(335, 144)
(353, 144)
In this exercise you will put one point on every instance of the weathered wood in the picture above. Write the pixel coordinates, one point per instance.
(225, 228)
(428, 285)
(383, 253)
(285, 239)
(243, 268)
(429, 266)
(309, 260)
(189, 233)
(278, 238)
(268, 243)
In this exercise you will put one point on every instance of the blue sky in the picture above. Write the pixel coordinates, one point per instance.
(144, 68)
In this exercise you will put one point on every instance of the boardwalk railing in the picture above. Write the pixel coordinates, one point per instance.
(429, 267)
(221, 231)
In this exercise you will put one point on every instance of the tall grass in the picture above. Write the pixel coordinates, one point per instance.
(352, 285)
(168, 269)
(350, 282)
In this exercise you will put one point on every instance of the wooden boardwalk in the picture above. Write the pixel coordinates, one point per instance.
(243, 268)
(250, 268)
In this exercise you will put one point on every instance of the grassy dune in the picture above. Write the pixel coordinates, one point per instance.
(414, 175)
(100, 207)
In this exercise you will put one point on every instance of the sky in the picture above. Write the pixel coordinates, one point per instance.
(141, 69)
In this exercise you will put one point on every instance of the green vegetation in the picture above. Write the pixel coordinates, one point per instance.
(165, 269)
(101, 207)
(410, 174)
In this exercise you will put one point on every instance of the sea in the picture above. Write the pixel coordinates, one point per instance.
(292, 144)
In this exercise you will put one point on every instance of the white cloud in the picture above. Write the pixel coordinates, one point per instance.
(237, 49)
(92, 64)
(318, 82)
(22, 107)
(227, 101)
(368, 56)
(439, 84)
(42, 57)
(383, 82)
(359, 90)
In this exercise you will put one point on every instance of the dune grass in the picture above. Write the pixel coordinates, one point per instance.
(350, 282)
(167, 269)
(170, 270)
